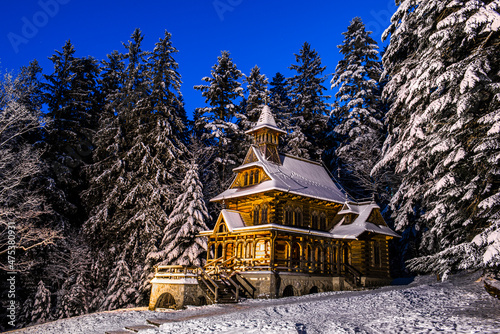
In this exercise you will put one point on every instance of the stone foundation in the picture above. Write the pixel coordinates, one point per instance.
(268, 284)
(180, 289)
(175, 289)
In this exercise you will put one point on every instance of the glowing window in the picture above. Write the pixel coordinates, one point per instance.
(256, 210)
(263, 216)
(322, 221)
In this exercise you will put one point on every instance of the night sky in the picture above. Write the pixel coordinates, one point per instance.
(266, 33)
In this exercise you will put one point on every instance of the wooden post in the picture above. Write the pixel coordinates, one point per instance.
(274, 235)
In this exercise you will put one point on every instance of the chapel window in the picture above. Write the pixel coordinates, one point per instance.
(248, 250)
(322, 221)
(256, 210)
(297, 217)
(263, 216)
(314, 220)
(288, 215)
(222, 228)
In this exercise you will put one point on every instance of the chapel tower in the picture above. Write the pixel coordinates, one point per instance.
(266, 135)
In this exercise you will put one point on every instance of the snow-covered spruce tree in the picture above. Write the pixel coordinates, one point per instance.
(133, 188)
(74, 295)
(165, 97)
(256, 96)
(358, 133)
(71, 96)
(180, 244)
(121, 289)
(308, 118)
(443, 63)
(279, 101)
(222, 92)
(41, 307)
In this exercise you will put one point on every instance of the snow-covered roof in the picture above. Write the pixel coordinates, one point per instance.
(278, 227)
(266, 120)
(360, 224)
(232, 219)
(235, 223)
(294, 175)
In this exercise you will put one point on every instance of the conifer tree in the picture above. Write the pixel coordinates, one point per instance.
(74, 297)
(217, 121)
(279, 101)
(121, 290)
(180, 244)
(71, 95)
(308, 119)
(443, 64)
(41, 307)
(357, 134)
(256, 96)
(140, 147)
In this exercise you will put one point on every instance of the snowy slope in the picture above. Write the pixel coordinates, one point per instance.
(458, 305)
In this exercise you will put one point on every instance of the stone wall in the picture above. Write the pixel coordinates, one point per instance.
(267, 284)
(185, 293)
(273, 285)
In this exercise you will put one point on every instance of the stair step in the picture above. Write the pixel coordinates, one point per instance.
(140, 328)
(226, 301)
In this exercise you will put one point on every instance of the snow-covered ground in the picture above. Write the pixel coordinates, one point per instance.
(459, 305)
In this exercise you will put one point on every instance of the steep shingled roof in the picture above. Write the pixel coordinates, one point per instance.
(294, 175)
(266, 120)
(361, 223)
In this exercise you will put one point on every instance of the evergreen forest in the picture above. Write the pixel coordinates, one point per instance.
(104, 173)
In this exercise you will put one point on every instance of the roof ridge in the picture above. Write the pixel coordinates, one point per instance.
(302, 159)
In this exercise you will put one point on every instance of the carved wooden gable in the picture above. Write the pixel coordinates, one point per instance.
(376, 218)
(250, 157)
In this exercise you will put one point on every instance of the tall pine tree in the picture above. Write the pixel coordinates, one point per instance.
(133, 188)
(180, 244)
(256, 96)
(443, 63)
(217, 121)
(279, 101)
(71, 96)
(357, 133)
(308, 119)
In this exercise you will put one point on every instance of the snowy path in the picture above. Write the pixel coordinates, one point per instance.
(457, 306)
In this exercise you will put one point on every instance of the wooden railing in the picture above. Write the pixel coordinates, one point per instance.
(218, 272)
(248, 289)
(213, 287)
(236, 287)
(213, 267)
(352, 274)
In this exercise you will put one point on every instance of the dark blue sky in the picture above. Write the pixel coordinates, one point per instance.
(266, 33)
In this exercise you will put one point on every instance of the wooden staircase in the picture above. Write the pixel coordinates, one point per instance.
(221, 284)
(352, 276)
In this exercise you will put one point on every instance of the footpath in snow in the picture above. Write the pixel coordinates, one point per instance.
(459, 305)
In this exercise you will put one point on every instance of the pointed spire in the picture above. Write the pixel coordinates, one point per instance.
(266, 120)
(266, 117)
(266, 135)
